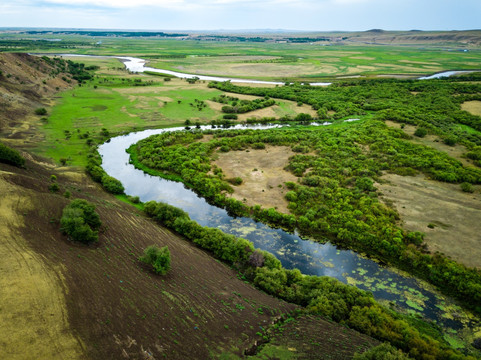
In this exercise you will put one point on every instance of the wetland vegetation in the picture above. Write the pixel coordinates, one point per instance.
(336, 171)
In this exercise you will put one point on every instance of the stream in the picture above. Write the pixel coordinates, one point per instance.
(137, 65)
(389, 286)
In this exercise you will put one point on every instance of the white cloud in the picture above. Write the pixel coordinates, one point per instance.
(349, 2)
(117, 3)
(177, 3)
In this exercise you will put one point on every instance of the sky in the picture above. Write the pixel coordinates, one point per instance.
(309, 15)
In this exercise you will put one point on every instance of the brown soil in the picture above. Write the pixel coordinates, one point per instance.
(455, 215)
(263, 175)
(309, 336)
(472, 107)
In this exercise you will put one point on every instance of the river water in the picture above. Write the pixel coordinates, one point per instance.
(387, 285)
(138, 65)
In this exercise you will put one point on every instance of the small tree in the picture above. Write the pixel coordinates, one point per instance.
(80, 221)
(41, 111)
(159, 258)
(450, 140)
(420, 132)
(384, 351)
(467, 187)
(11, 156)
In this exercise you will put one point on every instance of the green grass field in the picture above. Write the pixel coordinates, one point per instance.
(279, 61)
(122, 102)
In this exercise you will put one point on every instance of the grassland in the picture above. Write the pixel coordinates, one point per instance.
(122, 102)
(366, 54)
(316, 62)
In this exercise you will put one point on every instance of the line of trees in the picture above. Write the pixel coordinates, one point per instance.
(335, 194)
(320, 295)
(237, 106)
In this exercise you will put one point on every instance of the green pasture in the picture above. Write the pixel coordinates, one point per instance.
(314, 61)
(122, 102)
(276, 61)
(118, 107)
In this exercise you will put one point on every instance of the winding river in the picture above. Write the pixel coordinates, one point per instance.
(138, 65)
(387, 285)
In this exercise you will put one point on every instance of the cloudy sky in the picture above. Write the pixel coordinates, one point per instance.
(320, 15)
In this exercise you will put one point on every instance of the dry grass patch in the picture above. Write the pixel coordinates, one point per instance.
(263, 175)
(33, 316)
(454, 215)
(472, 107)
(271, 111)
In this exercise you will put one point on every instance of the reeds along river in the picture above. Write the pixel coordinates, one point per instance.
(387, 285)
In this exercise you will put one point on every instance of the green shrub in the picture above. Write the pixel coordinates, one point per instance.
(450, 140)
(112, 185)
(54, 187)
(80, 221)
(41, 111)
(382, 352)
(420, 132)
(235, 181)
(11, 156)
(467, 187)
(134, 199)
(95, 171)
(159, 258)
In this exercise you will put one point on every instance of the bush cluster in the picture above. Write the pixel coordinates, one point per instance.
(336, 197)
(11, 156)
(98, 174)
(321, 295)
(158, 258)
(80, 221)
(237, 106)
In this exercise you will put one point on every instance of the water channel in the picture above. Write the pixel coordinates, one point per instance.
(387, 285)
(138, 65)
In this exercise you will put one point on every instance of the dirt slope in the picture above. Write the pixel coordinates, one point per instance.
(101, 302)
(26, 83)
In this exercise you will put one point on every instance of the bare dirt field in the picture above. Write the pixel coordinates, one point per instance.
(454, 214)
(263, 175)
(473, 107)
